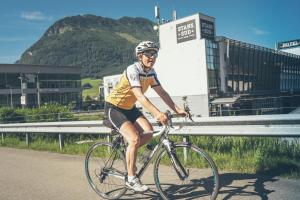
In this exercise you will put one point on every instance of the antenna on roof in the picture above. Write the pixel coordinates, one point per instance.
(157, 14)
(174, 15)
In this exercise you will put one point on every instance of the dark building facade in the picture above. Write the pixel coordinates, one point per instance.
(35, 85)
(260, 77)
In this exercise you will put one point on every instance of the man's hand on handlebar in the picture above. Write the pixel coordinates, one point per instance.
(162, 118)
(181, 112)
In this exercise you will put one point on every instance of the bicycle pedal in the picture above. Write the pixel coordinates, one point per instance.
(137, 192)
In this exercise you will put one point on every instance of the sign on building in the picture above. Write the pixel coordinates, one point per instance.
(207, 29)
(288, 44)
(186, 31)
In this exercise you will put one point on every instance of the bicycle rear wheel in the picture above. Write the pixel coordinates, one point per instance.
(105, 169)
(202, 181)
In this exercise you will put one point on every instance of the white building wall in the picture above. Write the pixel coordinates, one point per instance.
(292, 50)
(181, 68)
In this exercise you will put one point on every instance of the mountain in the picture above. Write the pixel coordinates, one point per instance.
(102, 46)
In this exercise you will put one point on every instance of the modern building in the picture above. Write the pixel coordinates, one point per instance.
(291, 46)
(35, 85)
(222, 76)
(266, 80)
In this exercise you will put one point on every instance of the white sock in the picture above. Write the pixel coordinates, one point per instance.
(130, 178)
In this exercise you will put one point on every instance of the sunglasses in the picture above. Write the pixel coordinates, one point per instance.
(150, 54)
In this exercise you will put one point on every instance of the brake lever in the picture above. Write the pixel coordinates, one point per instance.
(190, 117)
(169, 114)
(187, 109)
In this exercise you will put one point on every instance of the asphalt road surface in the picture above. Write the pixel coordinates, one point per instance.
(34, 175)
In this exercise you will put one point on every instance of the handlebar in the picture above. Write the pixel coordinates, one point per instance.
(169, 123)
(161, 131)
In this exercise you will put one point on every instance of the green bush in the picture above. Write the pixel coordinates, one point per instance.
(46, 113)
(10, 115)
(50, 113)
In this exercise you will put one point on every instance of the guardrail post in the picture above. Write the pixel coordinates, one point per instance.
(61, 141)
(2, 137)
(108, 138)
(60, 136)
(185, 152)
(27, 139)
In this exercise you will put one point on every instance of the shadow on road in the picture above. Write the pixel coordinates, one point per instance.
(151, 194)
(251, 185)
(232, 185)
(238, 185)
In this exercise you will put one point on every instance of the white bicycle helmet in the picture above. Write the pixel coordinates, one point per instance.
(144, 46)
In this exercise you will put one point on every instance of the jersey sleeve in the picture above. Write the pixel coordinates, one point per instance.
(155, 81)
(133, 77)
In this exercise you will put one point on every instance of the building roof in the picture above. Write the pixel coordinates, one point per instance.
(49, 69)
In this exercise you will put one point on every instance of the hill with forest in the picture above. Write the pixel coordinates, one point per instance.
(101, 46)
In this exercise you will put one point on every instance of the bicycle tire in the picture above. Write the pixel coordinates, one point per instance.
(96, 166)
(202, 181)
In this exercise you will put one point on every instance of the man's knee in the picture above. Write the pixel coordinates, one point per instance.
(135, 141)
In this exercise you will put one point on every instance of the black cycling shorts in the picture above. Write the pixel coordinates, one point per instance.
(117, 116)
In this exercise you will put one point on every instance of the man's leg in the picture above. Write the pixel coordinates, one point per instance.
(143, 126)
(132, 137)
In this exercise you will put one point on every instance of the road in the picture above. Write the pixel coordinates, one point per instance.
(35, 175)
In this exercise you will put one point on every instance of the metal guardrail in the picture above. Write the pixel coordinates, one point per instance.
(283, 125)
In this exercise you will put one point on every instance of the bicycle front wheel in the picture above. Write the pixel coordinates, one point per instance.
(201, 179)
(105, 169)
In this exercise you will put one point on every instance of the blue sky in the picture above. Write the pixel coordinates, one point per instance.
(261, 22)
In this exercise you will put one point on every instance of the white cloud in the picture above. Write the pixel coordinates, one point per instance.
(258, 31)
(35, 16)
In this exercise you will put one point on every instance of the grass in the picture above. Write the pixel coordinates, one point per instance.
(128, 37)
(92, 92)
(240, 154)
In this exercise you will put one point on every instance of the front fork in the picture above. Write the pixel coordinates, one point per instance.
(179, 169)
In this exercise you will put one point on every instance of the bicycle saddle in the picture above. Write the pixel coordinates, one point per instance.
(108, 124)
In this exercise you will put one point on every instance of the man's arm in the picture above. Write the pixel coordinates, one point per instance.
(158, 115)
(167, 99)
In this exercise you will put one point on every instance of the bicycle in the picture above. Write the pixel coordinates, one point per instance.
(106, 171)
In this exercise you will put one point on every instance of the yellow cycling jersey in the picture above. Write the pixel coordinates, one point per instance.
(133, 76)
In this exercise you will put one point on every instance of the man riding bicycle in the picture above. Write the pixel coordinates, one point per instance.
(124, 116)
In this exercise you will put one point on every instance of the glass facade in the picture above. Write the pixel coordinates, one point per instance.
(39, 87)
(253, 69)
(264, 80)
(59, 81)
(213, 66)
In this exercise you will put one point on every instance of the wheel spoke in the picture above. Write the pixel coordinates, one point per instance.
(202, 180)
(105, 169)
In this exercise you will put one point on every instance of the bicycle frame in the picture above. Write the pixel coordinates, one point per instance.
(165, 142)
(114, 165)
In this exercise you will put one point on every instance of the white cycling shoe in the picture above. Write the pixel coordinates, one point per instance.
(136, 185)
